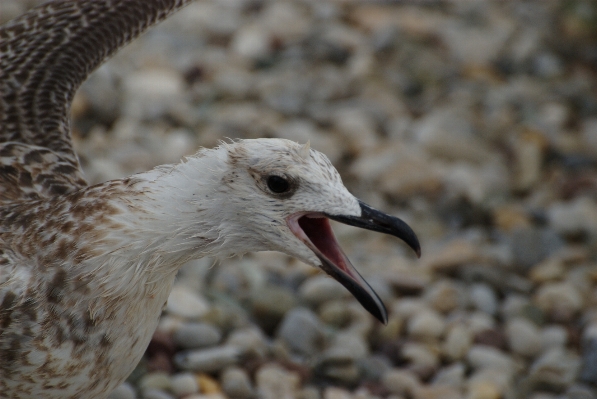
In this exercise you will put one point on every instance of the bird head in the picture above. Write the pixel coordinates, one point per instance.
(279, 195)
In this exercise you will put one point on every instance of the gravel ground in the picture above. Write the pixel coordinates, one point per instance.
(474, 121)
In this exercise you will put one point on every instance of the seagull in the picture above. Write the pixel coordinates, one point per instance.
(85, 271)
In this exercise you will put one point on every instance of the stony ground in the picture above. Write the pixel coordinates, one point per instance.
(476, 122)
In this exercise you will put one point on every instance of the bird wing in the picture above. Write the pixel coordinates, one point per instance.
(45, 55)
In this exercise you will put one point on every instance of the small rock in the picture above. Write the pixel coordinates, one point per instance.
(149, 93)
(302, 331)
(588, 372)
(452, 375)
(550, 269)
(483, 390)
(249, 340)
(444, 296)
(335, 313)
(481, 356)
(184, 384)
(484, 298)
(185, 303)
(373, 367)
(457, 343)
(336, 393)
(561, 300)
(236, 383)
(557, 368)
(152, 393)
(251, 41)
(531, 245)
(422, 360)
(274, 382)
(427, 324)
(401, 382)
(579, 215)
(319, 289)
(207, 360)
(523, 337)
(579, 391)
(553, 336)
(196, 335)
(156, 381)
(123, 391)
(270, 304)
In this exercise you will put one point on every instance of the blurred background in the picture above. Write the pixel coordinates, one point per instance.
(474, 121)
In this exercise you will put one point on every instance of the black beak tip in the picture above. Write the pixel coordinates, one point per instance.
(417, 250)
(381, 315)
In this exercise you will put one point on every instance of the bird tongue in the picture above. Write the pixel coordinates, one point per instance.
(318, 235)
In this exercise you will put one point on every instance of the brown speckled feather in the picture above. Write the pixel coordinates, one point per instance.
(45, 55)
(54, 335)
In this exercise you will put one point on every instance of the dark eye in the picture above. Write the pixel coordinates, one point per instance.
(278, 184)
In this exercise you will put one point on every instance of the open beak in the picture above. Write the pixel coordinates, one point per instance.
(315, 231)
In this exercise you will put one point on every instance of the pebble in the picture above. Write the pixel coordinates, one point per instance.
(236, 383)
(457, 343)
(123, 391)
(196, 335)
(302, 331)
(588, 372)
(452, 375)
(156, 381)
(553, 336)
(575, 216)
(560, 299)
(207, 360)
(401, 382)
(270, 303)
(184, 384)
(444, 296)
(274, 382)
(556, 368)
(523, 337)
(336, 393)
(249, 340)
(481, 356)
(185, 303)
(426, 324)
(320, 289)
(532, 245)
(422, 359)
(483, 298)
(152, 393)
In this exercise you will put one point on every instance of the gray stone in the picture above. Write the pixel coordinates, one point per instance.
(531, 245)
(249, 340)
(319, 289)
(401, 382)
(557, 368)
(274, 382)
(123, 391)
(186, 303)
(184, 384)
(302, 331)
(523, 337)
(196, 335)
(236, 383)
(588, 372)
(207, 360)
(484, 298)
(153, 393)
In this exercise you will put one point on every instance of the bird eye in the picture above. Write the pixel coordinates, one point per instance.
(278, 184)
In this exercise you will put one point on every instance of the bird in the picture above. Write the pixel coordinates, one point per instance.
(85, 271)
